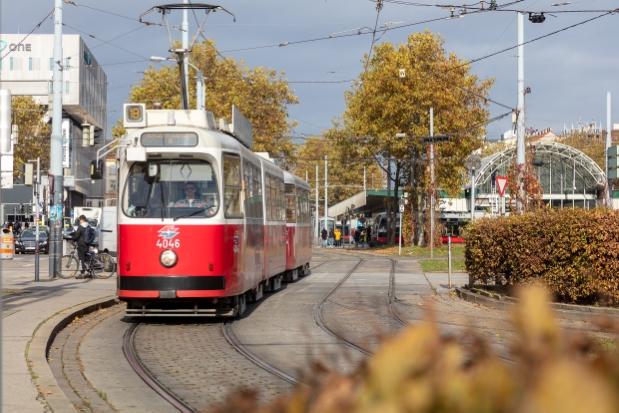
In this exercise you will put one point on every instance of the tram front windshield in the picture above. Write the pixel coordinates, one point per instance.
(171, 189)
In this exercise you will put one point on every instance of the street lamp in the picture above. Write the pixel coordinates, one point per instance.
(473, 163)
(403, 201)
(200, 86)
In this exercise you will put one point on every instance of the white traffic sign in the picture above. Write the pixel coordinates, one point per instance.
(401, 208)
(501, 183)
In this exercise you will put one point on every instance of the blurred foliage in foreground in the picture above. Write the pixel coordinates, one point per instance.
(421, 371)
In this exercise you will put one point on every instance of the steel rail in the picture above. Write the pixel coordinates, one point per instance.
(318, 312)
(391, 295)
(129, 351)
(226, 328)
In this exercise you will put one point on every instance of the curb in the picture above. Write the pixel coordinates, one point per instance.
(565, 311)
(38, 347)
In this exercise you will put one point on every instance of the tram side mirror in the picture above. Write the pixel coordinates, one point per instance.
(153, 172)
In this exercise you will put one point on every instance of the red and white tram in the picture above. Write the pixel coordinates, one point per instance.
(202, 219)
(298, 226)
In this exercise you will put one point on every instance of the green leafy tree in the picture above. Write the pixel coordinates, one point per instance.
(261, 94)
(394, 95)
(34, 132)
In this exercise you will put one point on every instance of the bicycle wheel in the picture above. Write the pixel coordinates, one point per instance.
(66, 266)
(103, 266)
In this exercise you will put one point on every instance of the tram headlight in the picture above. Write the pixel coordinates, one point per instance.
(168, 258)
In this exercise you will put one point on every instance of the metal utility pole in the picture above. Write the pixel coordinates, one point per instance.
(609, 143)
(432, 184)
(520, 151)
(326, 193)
(388, 200)
(364, 180)
(36, 189)
(5, 136)
(317, 215)
(55, 153)
(185, 29)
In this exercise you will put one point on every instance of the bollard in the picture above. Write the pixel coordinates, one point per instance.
(7, 249)
(449, 258)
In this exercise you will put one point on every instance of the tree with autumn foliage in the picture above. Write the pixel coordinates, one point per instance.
(34, 132)
(394, 95)
(345, 175)
(261, 94)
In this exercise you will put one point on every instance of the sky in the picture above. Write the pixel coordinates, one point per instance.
(569, 73)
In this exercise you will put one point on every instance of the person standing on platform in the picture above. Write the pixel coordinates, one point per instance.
(331, 237)
(338, 237)
(323, 235)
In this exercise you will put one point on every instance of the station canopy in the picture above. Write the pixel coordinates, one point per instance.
(371, 201)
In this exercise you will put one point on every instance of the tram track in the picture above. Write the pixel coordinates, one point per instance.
(140, 369)
(317, 312)
(226, 329)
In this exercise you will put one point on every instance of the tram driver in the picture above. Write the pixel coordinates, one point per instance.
(192, 201)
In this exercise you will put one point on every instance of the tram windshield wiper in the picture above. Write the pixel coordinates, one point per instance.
(193, 213)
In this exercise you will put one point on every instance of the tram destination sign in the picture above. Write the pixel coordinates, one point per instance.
(170, 139)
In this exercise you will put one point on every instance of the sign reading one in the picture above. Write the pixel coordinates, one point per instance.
(501, 182)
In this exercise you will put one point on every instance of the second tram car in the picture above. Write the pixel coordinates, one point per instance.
(202, 220)
(298, 226)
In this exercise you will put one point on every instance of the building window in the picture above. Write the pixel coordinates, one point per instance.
(50, 87)
(67, 64)
(89, 203)
(51, 63)
(113, 186)
(67, 87)
(11, 64)
(113, 170)
(30, 64)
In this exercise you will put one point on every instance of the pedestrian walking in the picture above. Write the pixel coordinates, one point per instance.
(80, 237)
(323, 235)
(338, 237)
(369, 231)
(357, 237)
(331, 237)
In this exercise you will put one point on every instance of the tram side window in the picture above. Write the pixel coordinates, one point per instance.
(282, 202)
(232, 186)
(253, 198)
(269, 196)
(291, 201)
(299, 193)
(257, 199)
(279, 190)
(305, 206)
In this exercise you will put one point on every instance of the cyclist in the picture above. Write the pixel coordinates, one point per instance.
(79, 237)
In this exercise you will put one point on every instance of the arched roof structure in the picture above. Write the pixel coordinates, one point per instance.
(563, 171)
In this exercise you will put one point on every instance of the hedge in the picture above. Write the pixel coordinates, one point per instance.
(573, 252)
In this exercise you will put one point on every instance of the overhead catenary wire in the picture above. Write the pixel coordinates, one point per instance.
(108, 42)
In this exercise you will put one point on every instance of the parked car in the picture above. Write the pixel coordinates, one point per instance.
(26, 241)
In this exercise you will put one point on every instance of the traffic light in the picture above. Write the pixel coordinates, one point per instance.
(21, 208)
(96, 169)
(29, 209)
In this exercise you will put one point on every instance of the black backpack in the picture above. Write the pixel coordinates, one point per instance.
(89, 235)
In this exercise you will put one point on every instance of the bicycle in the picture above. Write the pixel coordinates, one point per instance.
(98, 264)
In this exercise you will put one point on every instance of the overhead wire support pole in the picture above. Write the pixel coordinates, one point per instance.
(609, 143)
(432, 184)
(185, 35)
(520, 147)
(326, 193)
(317, 214)
(56, 146)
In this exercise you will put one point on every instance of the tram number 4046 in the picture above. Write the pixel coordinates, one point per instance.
(169, 243)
